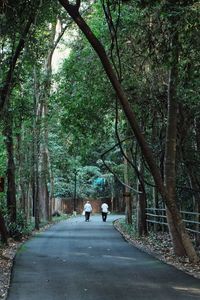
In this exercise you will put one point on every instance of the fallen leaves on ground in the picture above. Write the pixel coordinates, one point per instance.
(7, 254)
(159, 245)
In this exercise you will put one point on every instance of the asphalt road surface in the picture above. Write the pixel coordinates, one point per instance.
(78, 260)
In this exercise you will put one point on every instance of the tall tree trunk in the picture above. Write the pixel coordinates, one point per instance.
(5, 92)
(7, 87)
(36, 202)
(141, 204)
(170, 152)
(73, 11)
(29, 200)
(193, 176)
(171, 137)
(45, 167)
(127, 194)
(141, 212)
(195, 185)
(36, 152)
(44, 152)
(3, 230)
(22, 181)
(51, 190)
(11, 187)
(154, 141)
(197, 133)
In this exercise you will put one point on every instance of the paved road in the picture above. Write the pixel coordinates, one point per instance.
(77, 260)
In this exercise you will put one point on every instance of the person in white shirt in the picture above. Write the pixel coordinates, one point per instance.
(104, 211)
(87, 210)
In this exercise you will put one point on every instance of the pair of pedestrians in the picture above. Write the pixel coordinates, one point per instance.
(88, 210)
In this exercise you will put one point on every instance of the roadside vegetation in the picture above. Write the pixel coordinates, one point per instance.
(8, 252)
(159, 245)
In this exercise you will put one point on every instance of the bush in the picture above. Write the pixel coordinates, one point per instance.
(20, 228)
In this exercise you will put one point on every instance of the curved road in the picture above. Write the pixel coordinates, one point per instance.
(77, 260)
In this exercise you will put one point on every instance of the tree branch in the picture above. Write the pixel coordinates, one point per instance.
(6, 89)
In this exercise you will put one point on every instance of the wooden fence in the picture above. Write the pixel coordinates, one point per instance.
(157, 216)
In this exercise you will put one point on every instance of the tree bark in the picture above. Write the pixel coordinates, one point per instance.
(44, 152)
(11, 187)
(195, 185)
(5, 92)
(3, 230)
(22, 178)
(36, 202)
(141, 212)
(127, 194)
(197, 134)
(45, 164)
(141, 203)
(7, 87)
(154, 141)
(36, 152)
(170, 154)
(73, 11)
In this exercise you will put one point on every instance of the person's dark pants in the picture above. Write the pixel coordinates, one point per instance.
(104, 216)
(87, 216)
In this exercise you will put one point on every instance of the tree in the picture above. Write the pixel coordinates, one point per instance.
(3, 229)
(5, 93)
(73, 10)
(71, 127)
(13, 59)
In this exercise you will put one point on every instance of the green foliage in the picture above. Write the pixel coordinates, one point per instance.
(2, 171)
(62, 217)
(81, 105)
(2, 156)
(127, 228)
(21, 227)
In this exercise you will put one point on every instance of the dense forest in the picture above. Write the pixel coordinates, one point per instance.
(104, 94)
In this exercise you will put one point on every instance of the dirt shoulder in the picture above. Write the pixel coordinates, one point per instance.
(159, 245)
(7, 255)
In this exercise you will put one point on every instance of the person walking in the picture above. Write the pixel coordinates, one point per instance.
(104, 211)
(87, 210)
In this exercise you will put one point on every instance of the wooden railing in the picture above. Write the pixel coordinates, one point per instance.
(158, 216)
